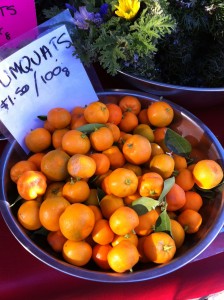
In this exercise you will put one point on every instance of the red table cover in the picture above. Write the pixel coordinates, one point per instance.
(22, 276)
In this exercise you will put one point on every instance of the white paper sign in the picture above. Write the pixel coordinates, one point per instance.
(38, 77)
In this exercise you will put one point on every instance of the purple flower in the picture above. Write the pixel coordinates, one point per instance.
(97, 19)
(104, 9)
(83, 17)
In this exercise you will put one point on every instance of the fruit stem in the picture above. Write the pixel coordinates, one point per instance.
(167, 247)
(185, 228)
(17, 199)
(128, 181)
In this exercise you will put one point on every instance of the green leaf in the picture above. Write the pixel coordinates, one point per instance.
(144, 204)
(176, 143)
(88, 128)
(42, 231)
(100, 194)
(168, 183)
(163, 222)
(219, 187)
(93, 179)
(42, 118)
(140, 209)
(208, 194)
(51, 12)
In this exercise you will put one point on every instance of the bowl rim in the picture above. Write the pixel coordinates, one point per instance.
(169, 85)
(103, 276)
(2, 137)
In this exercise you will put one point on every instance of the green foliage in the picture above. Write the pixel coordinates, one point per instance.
(172, 41)
(51, 12)
(118, 43)
(192, 55)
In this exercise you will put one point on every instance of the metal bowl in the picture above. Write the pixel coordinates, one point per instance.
(188, 97)
(203, 142)
(2, 137)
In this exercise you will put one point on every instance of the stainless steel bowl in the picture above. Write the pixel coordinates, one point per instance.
(188, 97)
(212, 211)
(2, 137)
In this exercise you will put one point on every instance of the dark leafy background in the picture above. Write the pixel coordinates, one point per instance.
(47, 4)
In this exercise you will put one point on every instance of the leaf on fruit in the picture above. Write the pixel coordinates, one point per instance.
(42, 118)
(140, 209)
(168, 183)
(176, 143)
(93, 179)
(41, 232)
(163, 222)
(144, 204)
(88, 128)
(100, 194)
(208, 194)
(220, 187)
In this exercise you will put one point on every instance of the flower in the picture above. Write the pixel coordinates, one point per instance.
(127, 9)
(104, 9)
(119, 35)
(82, 18)
(172, 41)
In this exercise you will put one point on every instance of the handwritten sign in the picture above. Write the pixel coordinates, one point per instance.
(16, 17)
(42, 75)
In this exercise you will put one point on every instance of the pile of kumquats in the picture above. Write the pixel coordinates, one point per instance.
(112, 184)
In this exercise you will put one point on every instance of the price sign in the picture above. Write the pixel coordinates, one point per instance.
(16, 17)
(42, 75)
